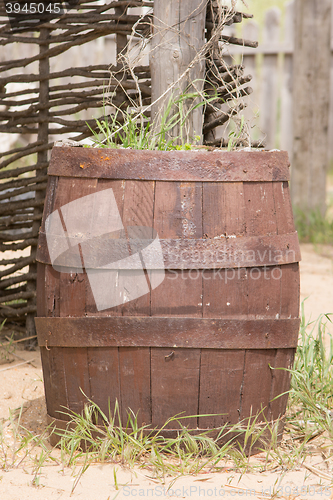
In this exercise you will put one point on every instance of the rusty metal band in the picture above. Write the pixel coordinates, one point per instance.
(200, 166)
(172, 332)
(220, 253)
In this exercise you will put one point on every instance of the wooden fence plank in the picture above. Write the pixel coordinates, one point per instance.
(330, 124)
(311, 92)
(286, 129)
(269, 89)
(251, 32)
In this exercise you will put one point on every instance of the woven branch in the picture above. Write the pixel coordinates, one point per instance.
(21, 235)
(15, 227)
(33, 181)
(9, 208)
(18, 279)
(233, 85)
(96, 17)
(239, 41)
(11, 290)
(5, 163)
(58, 99)
(23, 262)
(28, 189)
(20, 149)
(221, 119)
(84, 72)
(7, 262)
(10, 312)
(8, 221)
(97, 31)
(17, 130)
(18, 296)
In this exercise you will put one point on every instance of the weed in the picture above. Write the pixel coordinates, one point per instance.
(309, 417)
(311, 396)
(235, 135)
(132, 129)
(18, 445)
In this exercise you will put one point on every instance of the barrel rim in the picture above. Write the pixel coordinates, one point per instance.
(182, 166)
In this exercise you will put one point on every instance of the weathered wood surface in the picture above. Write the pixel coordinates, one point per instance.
(178, 38)
(270, 81)
(196, 339)
(167, 331)
(286, 126)
(311, 91)
(207, 166)
(251, 31)
(224, 252)
(271, 105)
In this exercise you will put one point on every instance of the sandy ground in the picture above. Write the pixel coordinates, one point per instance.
(317, 280)
(21, 383)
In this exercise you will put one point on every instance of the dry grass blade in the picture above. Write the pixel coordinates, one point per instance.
(318, 472)
(30, 361)
(10, 342)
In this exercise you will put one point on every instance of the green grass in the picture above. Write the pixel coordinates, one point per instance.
(309, 418)
(311, 396)
(22, 445)
(132, 129)
(313, 227)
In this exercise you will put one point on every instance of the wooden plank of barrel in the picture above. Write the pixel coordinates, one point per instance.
(217, 314)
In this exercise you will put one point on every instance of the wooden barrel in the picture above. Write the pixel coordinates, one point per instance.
(211, 320)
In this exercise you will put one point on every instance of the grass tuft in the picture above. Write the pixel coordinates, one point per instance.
(311, 395)
(314, 227)
(132, 129)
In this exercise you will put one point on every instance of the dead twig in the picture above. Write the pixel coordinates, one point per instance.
(18, 364)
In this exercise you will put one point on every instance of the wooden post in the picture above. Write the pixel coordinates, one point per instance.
(43, 134)
(178, 35)
(311, 90)
(330, 126)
